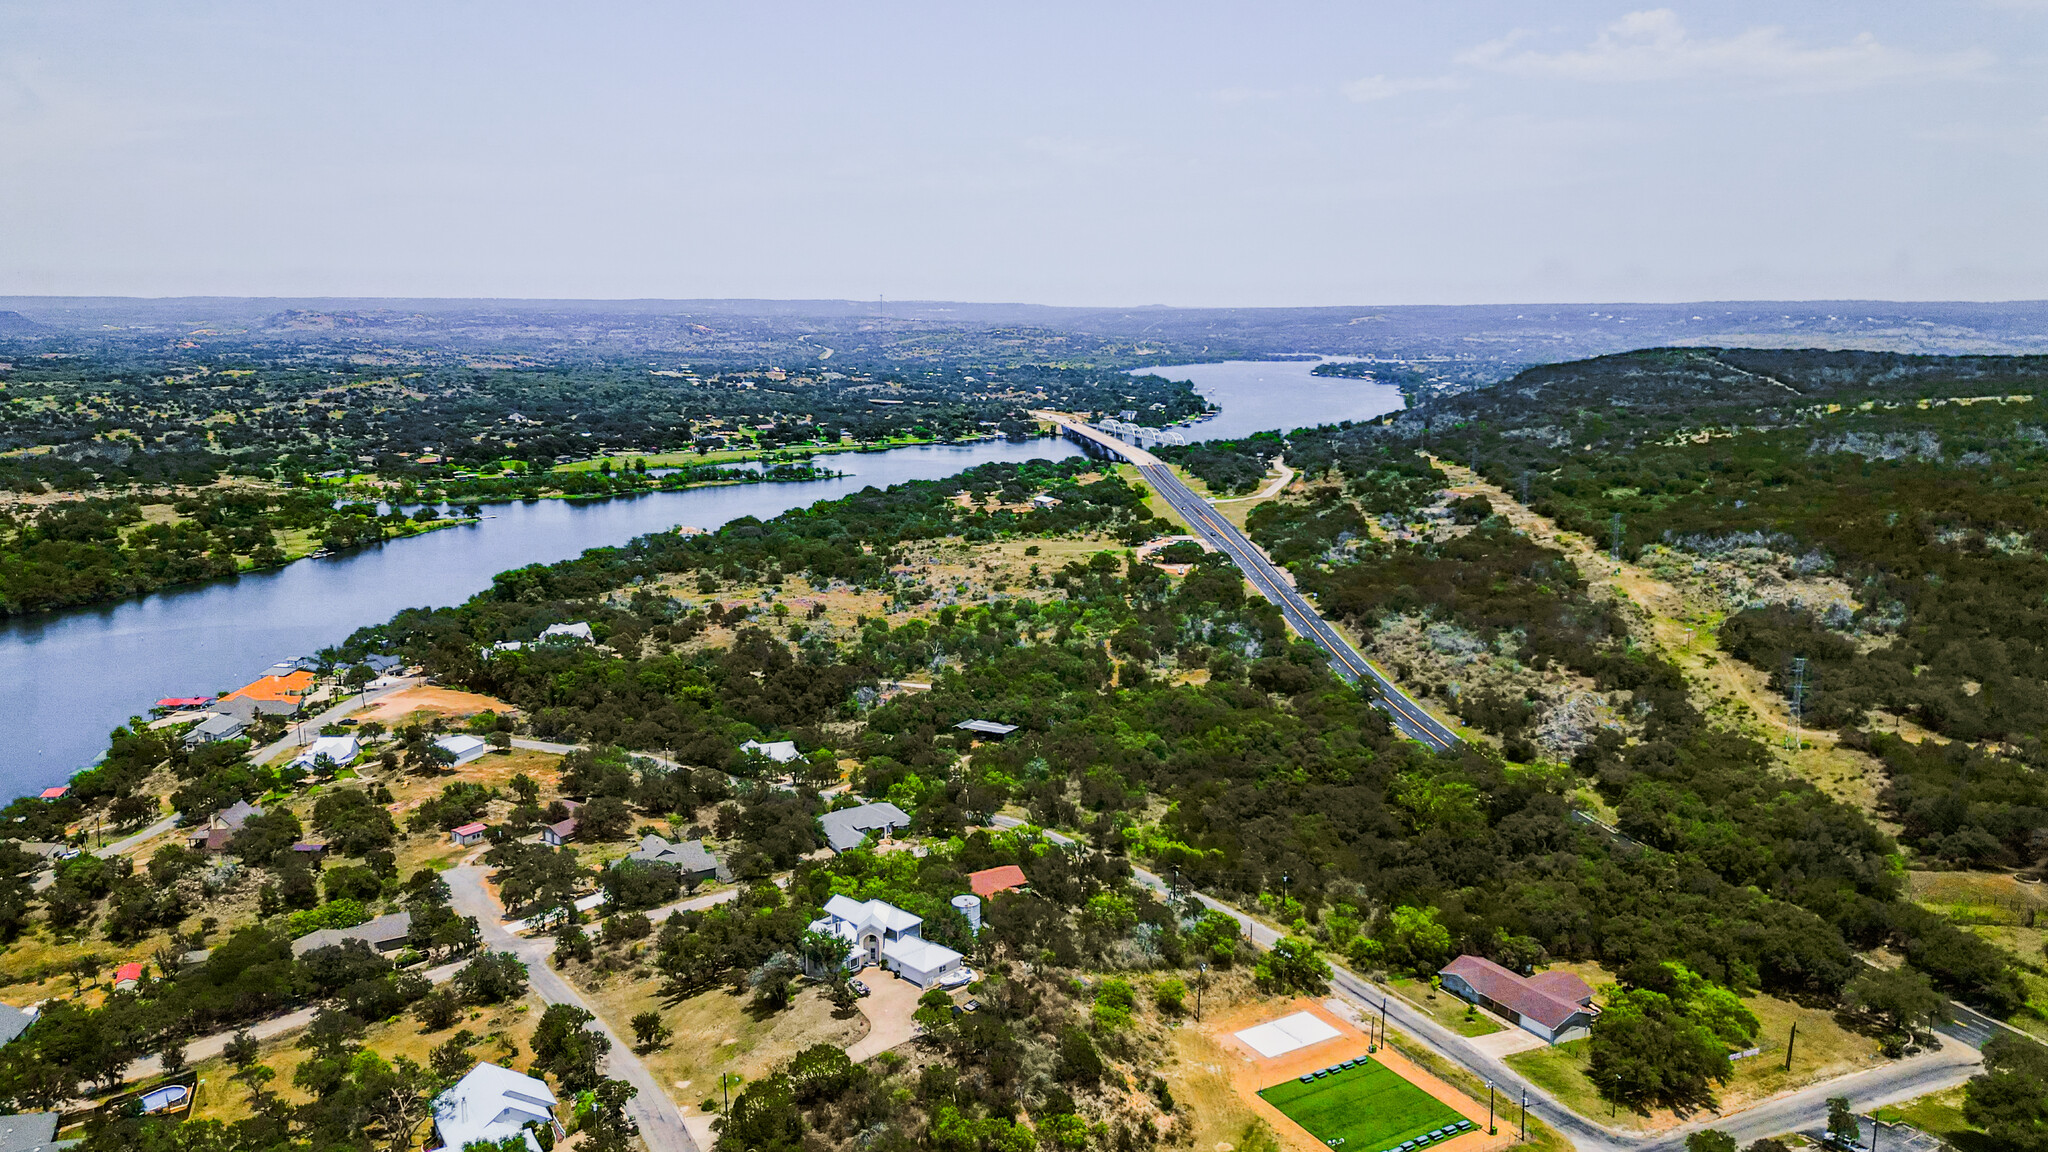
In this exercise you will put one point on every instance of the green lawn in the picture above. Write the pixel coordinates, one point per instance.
(1361, 1109)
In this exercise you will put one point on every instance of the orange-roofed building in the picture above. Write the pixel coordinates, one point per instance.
(990, 881)
(286, 689)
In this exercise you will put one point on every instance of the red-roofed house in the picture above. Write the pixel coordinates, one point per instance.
(56, 793)
(1557, 1006)
(127, 975)
(990, 881)
(469, 833)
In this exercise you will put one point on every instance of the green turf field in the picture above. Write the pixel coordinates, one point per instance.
(1361, 1109)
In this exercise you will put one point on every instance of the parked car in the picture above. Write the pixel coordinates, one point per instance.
(859, 989)
(972, 1005)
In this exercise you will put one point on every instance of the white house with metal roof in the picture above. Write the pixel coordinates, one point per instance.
(491, 1103)
(780, 751)
(463, 747)
(880, 933)
(340, 751)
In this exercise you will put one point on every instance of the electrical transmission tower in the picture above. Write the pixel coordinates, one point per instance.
(1798, 700)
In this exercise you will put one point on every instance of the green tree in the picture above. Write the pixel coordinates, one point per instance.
(1416, 941)
(934, 1011)
(566, 1047)
(649, 1030)
(1646, 1052)
(608, 1126)
(2009, 1099)
(1294, 964)
(1902, 997)
(764, 1118)
(1079, 1062)
(1710, 1140)
(491, 978)
(1842, 1123)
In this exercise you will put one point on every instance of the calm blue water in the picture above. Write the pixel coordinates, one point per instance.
(1277, 395)
(68, 678)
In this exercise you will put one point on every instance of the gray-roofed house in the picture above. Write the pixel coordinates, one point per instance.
(690, 858)
(14, 1021)
(849, 827)
(559, 833)
(221, 828)
(217, 727)
(31, 1132)
(247, 708)
(384, 934)
(988, 728)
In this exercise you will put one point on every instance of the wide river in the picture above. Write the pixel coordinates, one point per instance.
(70, 677)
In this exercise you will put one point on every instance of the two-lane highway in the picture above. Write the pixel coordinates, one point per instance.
(1408, 716)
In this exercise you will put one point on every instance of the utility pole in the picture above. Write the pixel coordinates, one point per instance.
(1490, 1129)
(1789, 1041)
(1525, 1113)
(1798, 700)
(1201, 986)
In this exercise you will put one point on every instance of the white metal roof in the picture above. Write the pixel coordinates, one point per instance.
(919, 955)
(491, 1103)
(871, 914)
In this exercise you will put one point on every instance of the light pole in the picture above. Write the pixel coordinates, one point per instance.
(1490, 1129)
(1201, 986)
(1525, 1113)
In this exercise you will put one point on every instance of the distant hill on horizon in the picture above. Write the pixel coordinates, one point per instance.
(1488, 341)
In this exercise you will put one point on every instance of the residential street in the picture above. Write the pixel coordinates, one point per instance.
(661, 1123)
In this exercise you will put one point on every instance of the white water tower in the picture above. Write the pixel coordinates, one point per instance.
(970, 907)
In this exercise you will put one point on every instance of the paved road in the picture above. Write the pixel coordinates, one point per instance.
(207, 1047)
(304, 732)
(1971, 1026)
(1893, 1083)
(661, 1122)
(1410, 718)
(137, 839)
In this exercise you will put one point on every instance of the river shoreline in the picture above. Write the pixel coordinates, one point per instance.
(72, 675)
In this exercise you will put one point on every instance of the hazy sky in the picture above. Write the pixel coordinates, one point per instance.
(1094, 153)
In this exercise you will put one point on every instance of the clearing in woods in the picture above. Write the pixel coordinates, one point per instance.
(1365, 1108)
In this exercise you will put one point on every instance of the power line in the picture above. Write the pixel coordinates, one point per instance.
(1798, 700)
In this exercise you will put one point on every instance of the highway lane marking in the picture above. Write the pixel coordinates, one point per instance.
(1293, 606)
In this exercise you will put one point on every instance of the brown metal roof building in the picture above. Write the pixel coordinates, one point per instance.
(1554, 1005)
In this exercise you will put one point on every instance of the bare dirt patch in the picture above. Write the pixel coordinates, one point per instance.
(431, 701)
